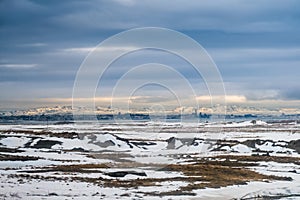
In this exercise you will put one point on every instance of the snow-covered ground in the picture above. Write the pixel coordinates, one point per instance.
(139, 150)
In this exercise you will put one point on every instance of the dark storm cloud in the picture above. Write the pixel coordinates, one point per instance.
(57, 20)
(251, 41)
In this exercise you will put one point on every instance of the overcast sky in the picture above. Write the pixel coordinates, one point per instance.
(255, 44)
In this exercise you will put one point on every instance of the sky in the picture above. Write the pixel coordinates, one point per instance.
(254, 44)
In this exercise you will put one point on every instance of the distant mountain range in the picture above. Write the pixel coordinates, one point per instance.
(202, 112)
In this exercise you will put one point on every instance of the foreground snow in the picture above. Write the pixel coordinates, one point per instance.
(148, 147)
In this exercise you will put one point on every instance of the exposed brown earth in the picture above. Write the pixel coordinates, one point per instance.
(43, 132)
(7, 157)
(220, 171)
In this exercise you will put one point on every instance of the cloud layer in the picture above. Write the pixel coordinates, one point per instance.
(255, 44)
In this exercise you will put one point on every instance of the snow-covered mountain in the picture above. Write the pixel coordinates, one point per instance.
(230, 109)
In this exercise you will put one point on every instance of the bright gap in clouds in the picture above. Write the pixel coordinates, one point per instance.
(24, 66)
(151, 76)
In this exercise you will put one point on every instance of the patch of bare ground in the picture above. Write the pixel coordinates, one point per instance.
(69, 135)
(8, 157)
(224, 162)
(215, 176)
(81, 168)
(260, 158)
(206, 173)
(65, 161)
(10, 150)
(221, 172)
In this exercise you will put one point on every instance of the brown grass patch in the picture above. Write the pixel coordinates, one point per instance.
(43, 132)
(260, 158)
(82, 168)
(7, 157)
(205, 173)
(215, 176)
